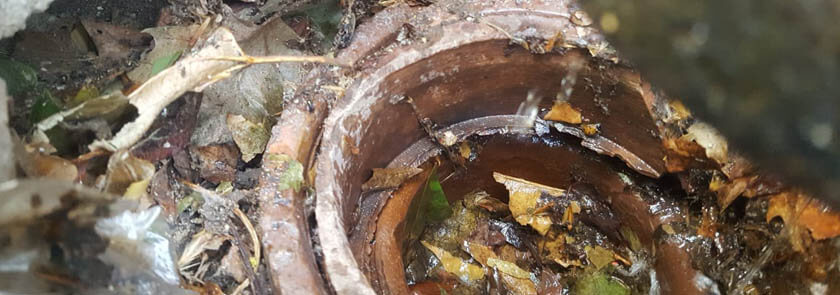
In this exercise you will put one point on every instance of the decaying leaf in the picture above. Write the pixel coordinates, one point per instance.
(508, 268)
(516, 284)
(599, 256)
(292, 175)
(250, 137)
(710, 139)
(800, 212)
(631, 237)
(36, 163)
(524, 197)
(562, 111)
(191, 73)
(484, 200)
(479, 252)
(218, 58)
(125, 169)
(465, 271)
(590, 129)
(200, 242)
(728, 191)
(170, 42)
(388, 178)
(554, 250)
(136, 189)
(569, 214)
(677, 112)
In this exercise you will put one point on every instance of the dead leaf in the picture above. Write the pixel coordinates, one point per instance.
(388, 178)
(114, 41)
(569, 214)
(216, 163)
(217, 59)
(36, 163)
(508, 268)
(708, 223)
(554, 250)
(250, 137)
(515, 285)
(591, 129)
(484, 200)
(199, 243)
(727, 192)
(800, 212)
(125, 169)
(465, 150)
(479, 252)
(711, 140)
(524, 196)
(599, 256)
(563, 112)
(677, 112)
(167, 40)
(467, 272)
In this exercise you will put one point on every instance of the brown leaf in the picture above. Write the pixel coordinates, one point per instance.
(727, 192)
(800, 212)
(569, 214)
(388, 178)
(114, 41)
(125, 169)
(524, 196)
(563, 112)
(708, 223)
(216, 163)
(38, 164)
(484, 200)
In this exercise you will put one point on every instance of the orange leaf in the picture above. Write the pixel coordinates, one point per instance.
(562, 111)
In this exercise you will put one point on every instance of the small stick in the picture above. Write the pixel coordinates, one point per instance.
(247, 59)
(253, 233)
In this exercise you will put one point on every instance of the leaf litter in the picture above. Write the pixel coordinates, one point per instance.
(122, 124)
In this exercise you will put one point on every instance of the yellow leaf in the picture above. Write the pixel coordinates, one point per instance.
(562, 111)
(465, 150)
(516, 285)
(136, 189)
(599, 256)
(509, 268)
(467, 272)
(524, 196)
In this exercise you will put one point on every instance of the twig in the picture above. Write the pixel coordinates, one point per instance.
(250, 60)
(256, 286)
(254, 238)
(511, 37)
(241, 287)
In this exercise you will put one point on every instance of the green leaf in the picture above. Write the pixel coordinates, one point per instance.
(291, 171)
(44, 107)
(599, 283)
(163, 62)
(437, 206)
(19, 77)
